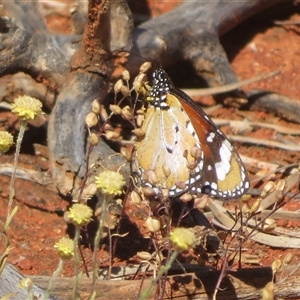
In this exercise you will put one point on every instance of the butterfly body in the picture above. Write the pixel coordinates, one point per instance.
(184, 148)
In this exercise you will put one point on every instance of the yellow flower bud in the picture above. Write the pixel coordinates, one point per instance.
(94, 139)
(96, 107)
(288, 258)
(268, 291)
(144, 255)
(91, 119)
(148, 191)
(126, 113)
(145, 67)
(126, 75)
(196, 152)
(246, 198)
(118, 86)
(166, 170)
(276, 266)
(268, 188)
(125, 91)
(136, 198)
(152, 224)
(268, 225)
(116, 109)
(152, 177)
(112, 135)
(255, 206)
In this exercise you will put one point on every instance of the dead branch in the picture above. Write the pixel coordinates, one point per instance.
(197, 284)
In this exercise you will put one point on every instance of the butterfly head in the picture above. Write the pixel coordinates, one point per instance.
(161, 87)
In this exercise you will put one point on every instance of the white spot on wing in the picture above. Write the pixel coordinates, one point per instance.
(191, 180)
(210, 137)
(223, 166)
(198, 177)
(214, 186)
(190, 128)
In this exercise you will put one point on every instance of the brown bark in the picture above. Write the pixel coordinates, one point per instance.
(91, 69)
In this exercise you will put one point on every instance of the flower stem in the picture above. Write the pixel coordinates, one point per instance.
(161, 272)
(98, 237)
(76, 264)
(54, 276)
(13, 176)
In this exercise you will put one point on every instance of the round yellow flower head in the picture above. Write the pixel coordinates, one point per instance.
(27, 108)
(80, 214)
(110, 182)
(65, 248)
(182, 239)
(6, 141)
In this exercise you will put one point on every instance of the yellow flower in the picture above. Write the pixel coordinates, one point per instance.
(6, 141)
(110, 182)
(27, 108)
(65, 248)
(182, 239)
(80, 214)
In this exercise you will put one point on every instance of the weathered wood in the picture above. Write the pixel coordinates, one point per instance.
(10, 283)
(198, 283)
(241, 284)
(280, 105)
(191, 32)
(91, 69)
(32, 50)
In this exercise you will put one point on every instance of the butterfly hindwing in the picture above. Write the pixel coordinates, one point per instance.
(224, 173)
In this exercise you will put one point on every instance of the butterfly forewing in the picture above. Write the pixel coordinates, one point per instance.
(173, 126)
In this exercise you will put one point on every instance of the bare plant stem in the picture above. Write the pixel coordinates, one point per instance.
(98, 237)
(76, 264)
(13, 176)
(160, 274)
(54, 276)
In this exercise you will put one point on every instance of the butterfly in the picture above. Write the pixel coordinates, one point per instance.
(182, 150)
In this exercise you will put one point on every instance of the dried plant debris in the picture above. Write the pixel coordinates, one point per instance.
(257, 223)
